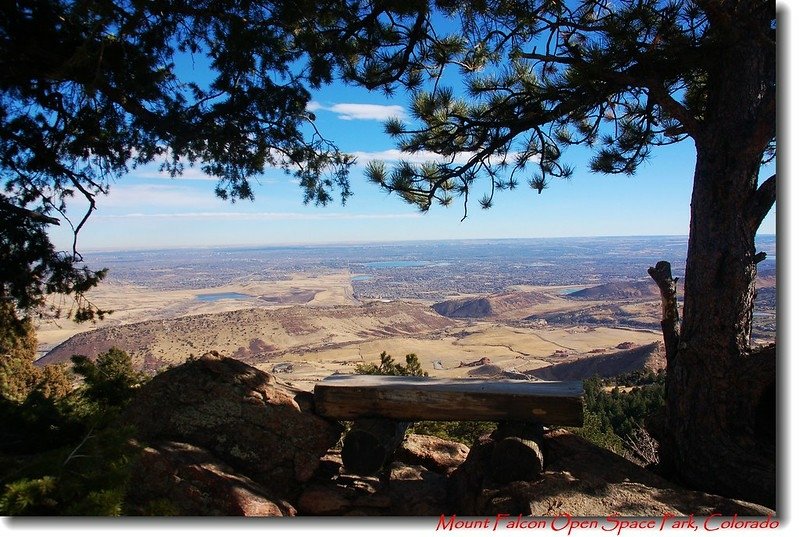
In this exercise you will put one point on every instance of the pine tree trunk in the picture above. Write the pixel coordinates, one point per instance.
(718, 394)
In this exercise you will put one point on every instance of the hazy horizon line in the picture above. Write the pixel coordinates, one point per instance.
(310, 244)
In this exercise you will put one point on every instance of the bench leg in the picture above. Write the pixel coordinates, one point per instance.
(517, 454)
(370, 445)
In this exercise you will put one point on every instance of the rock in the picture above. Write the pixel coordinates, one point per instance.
(345, 495)
(433, 453)
(416, 491)
(583, 480)
(242, 415)
(323, 500)
(191, 481)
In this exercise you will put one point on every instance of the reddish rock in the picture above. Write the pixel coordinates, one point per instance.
(323, 500)
(432, 452)
(583, 480)
(416, 491)
(242, 415)
(346, 495)
(188, 480)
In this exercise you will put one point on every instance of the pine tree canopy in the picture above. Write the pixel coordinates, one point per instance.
(538, 76)
(90, 90)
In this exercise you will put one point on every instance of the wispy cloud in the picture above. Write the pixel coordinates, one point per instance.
(393, 155)
(273, 216)
(157, 195)
(369, 112)
(190, 174)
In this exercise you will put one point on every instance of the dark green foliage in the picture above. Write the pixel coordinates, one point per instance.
(613, 414)
(17, 336)
(64, 453)
(110, 380)
(538, 77)
(89, 90)
(388, 366)
(89, 478)
(465, 432)
(19, 377)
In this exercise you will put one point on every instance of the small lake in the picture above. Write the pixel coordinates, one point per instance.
(213, 297)
(361, 278)
(396, 264)
(570, 290)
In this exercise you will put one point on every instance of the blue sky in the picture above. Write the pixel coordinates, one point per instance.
(147, 209)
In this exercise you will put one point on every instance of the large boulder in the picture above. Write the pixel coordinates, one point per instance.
(581, 479)
(244, 416)
(432, 452)
(180, 479)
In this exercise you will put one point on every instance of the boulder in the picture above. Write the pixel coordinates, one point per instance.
(182, 479)
(416, 491)
(244, 416)
(345, 495)
(433, 453)
(581, 479)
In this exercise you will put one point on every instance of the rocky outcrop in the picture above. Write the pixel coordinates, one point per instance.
(222, 438)
(181, 479)
(242, 415)
(580, 479)
(402, 490)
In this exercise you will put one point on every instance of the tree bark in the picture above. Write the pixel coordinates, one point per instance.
(670, 318)
(715, 387)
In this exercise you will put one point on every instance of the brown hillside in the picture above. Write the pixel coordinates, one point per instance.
(651, 357)
(252, 335)
(645, 289)
(507, 305)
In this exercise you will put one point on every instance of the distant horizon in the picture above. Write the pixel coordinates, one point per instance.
(147, 209)
(343, 244)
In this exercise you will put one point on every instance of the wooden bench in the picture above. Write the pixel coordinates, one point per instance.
(384, 406)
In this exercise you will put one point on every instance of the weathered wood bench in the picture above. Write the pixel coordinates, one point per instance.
(384, 407)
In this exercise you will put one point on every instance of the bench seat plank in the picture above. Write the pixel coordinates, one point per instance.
(348, 397)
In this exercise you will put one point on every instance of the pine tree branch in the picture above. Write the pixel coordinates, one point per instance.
(763, 200)
(10, 208)
(670, 322)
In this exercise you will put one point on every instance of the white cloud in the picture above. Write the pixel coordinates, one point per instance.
(394, 155)
(369, 112)
(190, 174)
(148, 195)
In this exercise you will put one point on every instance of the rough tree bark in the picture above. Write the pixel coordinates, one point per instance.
(719, 393)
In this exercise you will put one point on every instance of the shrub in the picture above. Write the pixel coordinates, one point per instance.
(612, 415)
(61, 449)
(388, 366)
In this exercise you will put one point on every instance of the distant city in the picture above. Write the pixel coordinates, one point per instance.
(430, 270)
